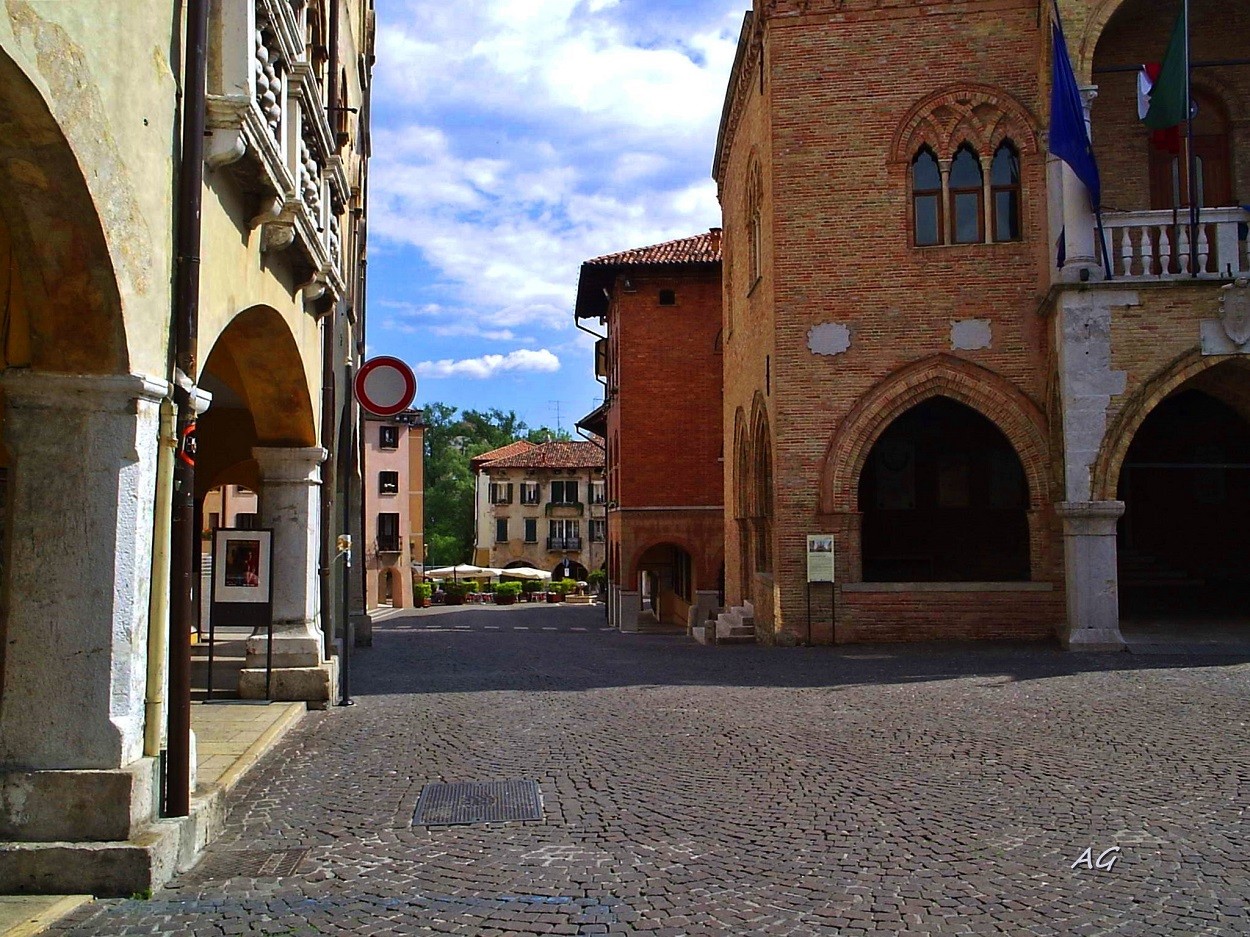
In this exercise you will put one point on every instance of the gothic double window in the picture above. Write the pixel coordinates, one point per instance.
(967, 200)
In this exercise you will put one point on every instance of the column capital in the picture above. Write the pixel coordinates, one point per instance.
(104, 393)
(1089, 518)
(289, 465)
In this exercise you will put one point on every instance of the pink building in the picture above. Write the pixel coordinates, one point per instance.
(392, 446)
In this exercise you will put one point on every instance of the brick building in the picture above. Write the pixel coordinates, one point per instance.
(540, 506)
(394, 499)
(661, 364)
(1000, 445)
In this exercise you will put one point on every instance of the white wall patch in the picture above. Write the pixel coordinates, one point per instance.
(970, 334)
(828, 338)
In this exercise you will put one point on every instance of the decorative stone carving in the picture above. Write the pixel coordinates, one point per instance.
(1235, 311)
(828, 338)
(277, 223)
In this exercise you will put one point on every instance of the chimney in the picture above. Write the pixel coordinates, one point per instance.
(715, 239)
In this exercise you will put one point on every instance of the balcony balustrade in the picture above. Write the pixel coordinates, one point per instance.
(1155, 245)
(561, 544)
(266, 103)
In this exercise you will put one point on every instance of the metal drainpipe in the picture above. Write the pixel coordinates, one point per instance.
(186, 331)
(158, 597)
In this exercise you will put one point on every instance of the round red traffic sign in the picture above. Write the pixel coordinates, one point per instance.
(385, 386)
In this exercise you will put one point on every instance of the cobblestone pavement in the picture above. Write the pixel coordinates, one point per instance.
(737, 790)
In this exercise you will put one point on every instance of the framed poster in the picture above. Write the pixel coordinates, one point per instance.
(241, 566)
(820, 558)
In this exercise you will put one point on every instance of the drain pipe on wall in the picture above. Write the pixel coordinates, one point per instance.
(158, 597)
(185, 336)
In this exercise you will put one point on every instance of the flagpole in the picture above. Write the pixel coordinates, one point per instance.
(1192, 157)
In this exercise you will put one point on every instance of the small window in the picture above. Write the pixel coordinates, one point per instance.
(214, 520)
(388, 483)
(596, 492)
(531, 530)
(967, 197)
(501, 530)
(245, 521)
(388, 533)
(598, 531)
(668, 297)
(531, 492)
(388, 437)
(926, 197)
(1005, 189)
(501, 492)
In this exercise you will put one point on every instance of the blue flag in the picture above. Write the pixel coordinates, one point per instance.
(1069, 138)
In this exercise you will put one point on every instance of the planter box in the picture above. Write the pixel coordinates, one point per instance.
(454, 600)
(554, 597)
(505, 600)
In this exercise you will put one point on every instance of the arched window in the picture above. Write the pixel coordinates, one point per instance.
(967, 198)
(755, 226)
(926, 199)
(1005, 191)
(944, 499)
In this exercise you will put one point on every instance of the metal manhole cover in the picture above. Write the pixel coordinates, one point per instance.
(252, 863)
(478, 802)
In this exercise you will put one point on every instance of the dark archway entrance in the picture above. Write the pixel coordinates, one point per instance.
(1185, 533)
(944, 499)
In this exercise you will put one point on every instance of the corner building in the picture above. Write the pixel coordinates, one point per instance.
(923, 355)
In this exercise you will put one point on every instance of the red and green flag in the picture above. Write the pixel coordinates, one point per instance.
(1169, 98)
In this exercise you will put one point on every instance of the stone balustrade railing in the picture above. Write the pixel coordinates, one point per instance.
(265, 102)
(1155, 245)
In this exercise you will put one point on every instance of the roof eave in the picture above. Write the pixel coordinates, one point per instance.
(735, 76)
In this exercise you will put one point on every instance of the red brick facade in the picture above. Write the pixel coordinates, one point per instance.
(662, 422)
(837, 324)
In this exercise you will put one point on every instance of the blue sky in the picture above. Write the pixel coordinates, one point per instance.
(514, 139)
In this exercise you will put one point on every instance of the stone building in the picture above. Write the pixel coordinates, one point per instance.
(394, 507)
(540, 506)
(922, 354)
(660, 362)
(89, 206)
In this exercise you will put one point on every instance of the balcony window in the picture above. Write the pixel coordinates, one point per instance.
(388, 533)
(564, 492)
(388, 483)
(564, 535)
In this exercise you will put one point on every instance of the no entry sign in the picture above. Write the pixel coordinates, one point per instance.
(385, 386)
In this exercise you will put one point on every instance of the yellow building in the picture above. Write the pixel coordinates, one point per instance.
(90, 205)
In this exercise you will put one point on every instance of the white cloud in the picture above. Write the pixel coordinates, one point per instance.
(487, 366)
(517, 138)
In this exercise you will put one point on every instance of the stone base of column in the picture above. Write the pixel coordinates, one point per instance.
(316, 686)
(362, 629)
(86, 832)
(630, 608)
(1094, 639)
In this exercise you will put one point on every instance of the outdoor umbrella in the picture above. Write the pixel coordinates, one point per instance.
(524, 572)
(464, 569)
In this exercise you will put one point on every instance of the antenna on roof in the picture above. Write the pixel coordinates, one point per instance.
(559, 427)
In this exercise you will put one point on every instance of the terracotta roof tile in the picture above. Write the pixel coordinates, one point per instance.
(555, 454)
(702, 248)
(503, 452)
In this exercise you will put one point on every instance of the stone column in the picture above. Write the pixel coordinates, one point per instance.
(79, 555)
(290, 505)
(1089, 541)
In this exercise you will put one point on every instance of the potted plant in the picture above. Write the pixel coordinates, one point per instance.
(596, 580)
(506, 593)
(529, 588)
(455, 592)
(421, 593)
(558, 589)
